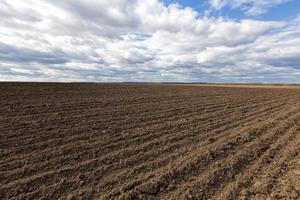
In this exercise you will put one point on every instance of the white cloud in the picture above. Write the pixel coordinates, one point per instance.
(137, 40)
(249, 7)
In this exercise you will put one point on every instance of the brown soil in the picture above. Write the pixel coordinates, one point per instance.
(118, 141)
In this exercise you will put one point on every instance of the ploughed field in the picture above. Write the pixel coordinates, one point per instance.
(130, 141)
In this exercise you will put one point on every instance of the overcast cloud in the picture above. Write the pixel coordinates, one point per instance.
(144, 40)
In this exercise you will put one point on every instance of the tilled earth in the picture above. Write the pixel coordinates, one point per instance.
(130, 141)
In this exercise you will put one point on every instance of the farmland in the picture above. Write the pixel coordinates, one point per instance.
(142, 141)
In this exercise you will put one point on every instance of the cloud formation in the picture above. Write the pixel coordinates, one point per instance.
(137, 40)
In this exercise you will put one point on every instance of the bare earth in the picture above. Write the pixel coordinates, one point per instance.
(122, 141)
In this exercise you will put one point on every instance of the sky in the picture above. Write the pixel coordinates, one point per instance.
(223, 41)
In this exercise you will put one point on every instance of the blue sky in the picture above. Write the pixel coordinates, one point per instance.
(150, 40)
(284, 11)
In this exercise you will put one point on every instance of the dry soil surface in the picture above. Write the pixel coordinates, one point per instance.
(130, 141)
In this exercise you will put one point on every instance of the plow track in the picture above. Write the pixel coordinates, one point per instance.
(118, 141)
